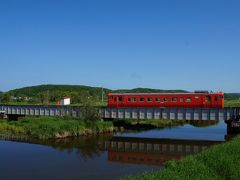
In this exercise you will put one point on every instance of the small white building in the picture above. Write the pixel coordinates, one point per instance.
(65, 101)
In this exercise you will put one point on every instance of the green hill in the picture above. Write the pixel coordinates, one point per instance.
(50, 94)
(32, 91)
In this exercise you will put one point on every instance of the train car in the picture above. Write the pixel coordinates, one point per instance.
(198, 99)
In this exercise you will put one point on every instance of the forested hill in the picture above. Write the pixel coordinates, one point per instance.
(78, 93)
(50, 94)
(64, 90)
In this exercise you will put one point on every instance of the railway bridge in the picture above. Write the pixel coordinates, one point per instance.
(15, 111)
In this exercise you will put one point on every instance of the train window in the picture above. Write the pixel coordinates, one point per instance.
(165, 99)
(208, 99)
(141, 99)
(129, 99)
(134, 99)
(188, 100)
(120, 98)
(174, 99)
(221, 97)
(181, 100)
(149, 99)
(215, 98)
(196, 97)
(115, 99)
(157, 99)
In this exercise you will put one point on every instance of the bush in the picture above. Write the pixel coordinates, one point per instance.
(89, 112)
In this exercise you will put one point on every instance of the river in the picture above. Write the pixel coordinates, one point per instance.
(106, 156)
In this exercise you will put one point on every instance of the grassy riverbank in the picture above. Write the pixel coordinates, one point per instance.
(52, 127)
(218, 162)
(59, 127)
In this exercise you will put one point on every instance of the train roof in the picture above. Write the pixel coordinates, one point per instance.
(196, 93)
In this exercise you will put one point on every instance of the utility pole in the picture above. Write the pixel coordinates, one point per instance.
(46, 97)
(102, 95)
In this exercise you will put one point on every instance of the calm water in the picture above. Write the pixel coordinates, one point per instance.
(95, 158)
(213, 132)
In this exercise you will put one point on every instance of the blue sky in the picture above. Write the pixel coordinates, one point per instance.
(166, 44)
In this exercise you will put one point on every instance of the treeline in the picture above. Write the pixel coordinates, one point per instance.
(232, 96)
(50, 94)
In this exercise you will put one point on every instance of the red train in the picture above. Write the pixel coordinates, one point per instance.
(198, 99)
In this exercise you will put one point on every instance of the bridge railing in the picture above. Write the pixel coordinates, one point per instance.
(169, 113)
(126, 113)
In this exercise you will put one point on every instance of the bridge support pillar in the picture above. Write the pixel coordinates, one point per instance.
(233, 125)
(1, 116)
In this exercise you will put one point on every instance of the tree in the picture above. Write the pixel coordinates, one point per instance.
(89, 112)
(5, 98)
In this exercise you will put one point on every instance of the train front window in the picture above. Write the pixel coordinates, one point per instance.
(141, 99)
(165, 99)
(174, 99)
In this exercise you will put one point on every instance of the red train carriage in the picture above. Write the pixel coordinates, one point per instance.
(176, 100)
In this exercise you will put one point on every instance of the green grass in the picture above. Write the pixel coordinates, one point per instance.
(218, 162)
(52, 127)
(232, 103)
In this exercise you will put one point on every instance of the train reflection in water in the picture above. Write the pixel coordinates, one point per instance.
(152, 151)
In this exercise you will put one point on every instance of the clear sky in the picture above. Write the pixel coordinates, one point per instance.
(166, 44)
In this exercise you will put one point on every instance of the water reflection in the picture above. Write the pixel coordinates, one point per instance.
(152, 151)
(85, 147)
(130, 150)
(203, 124)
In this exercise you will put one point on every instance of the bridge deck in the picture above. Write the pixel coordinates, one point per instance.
(125, 113)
